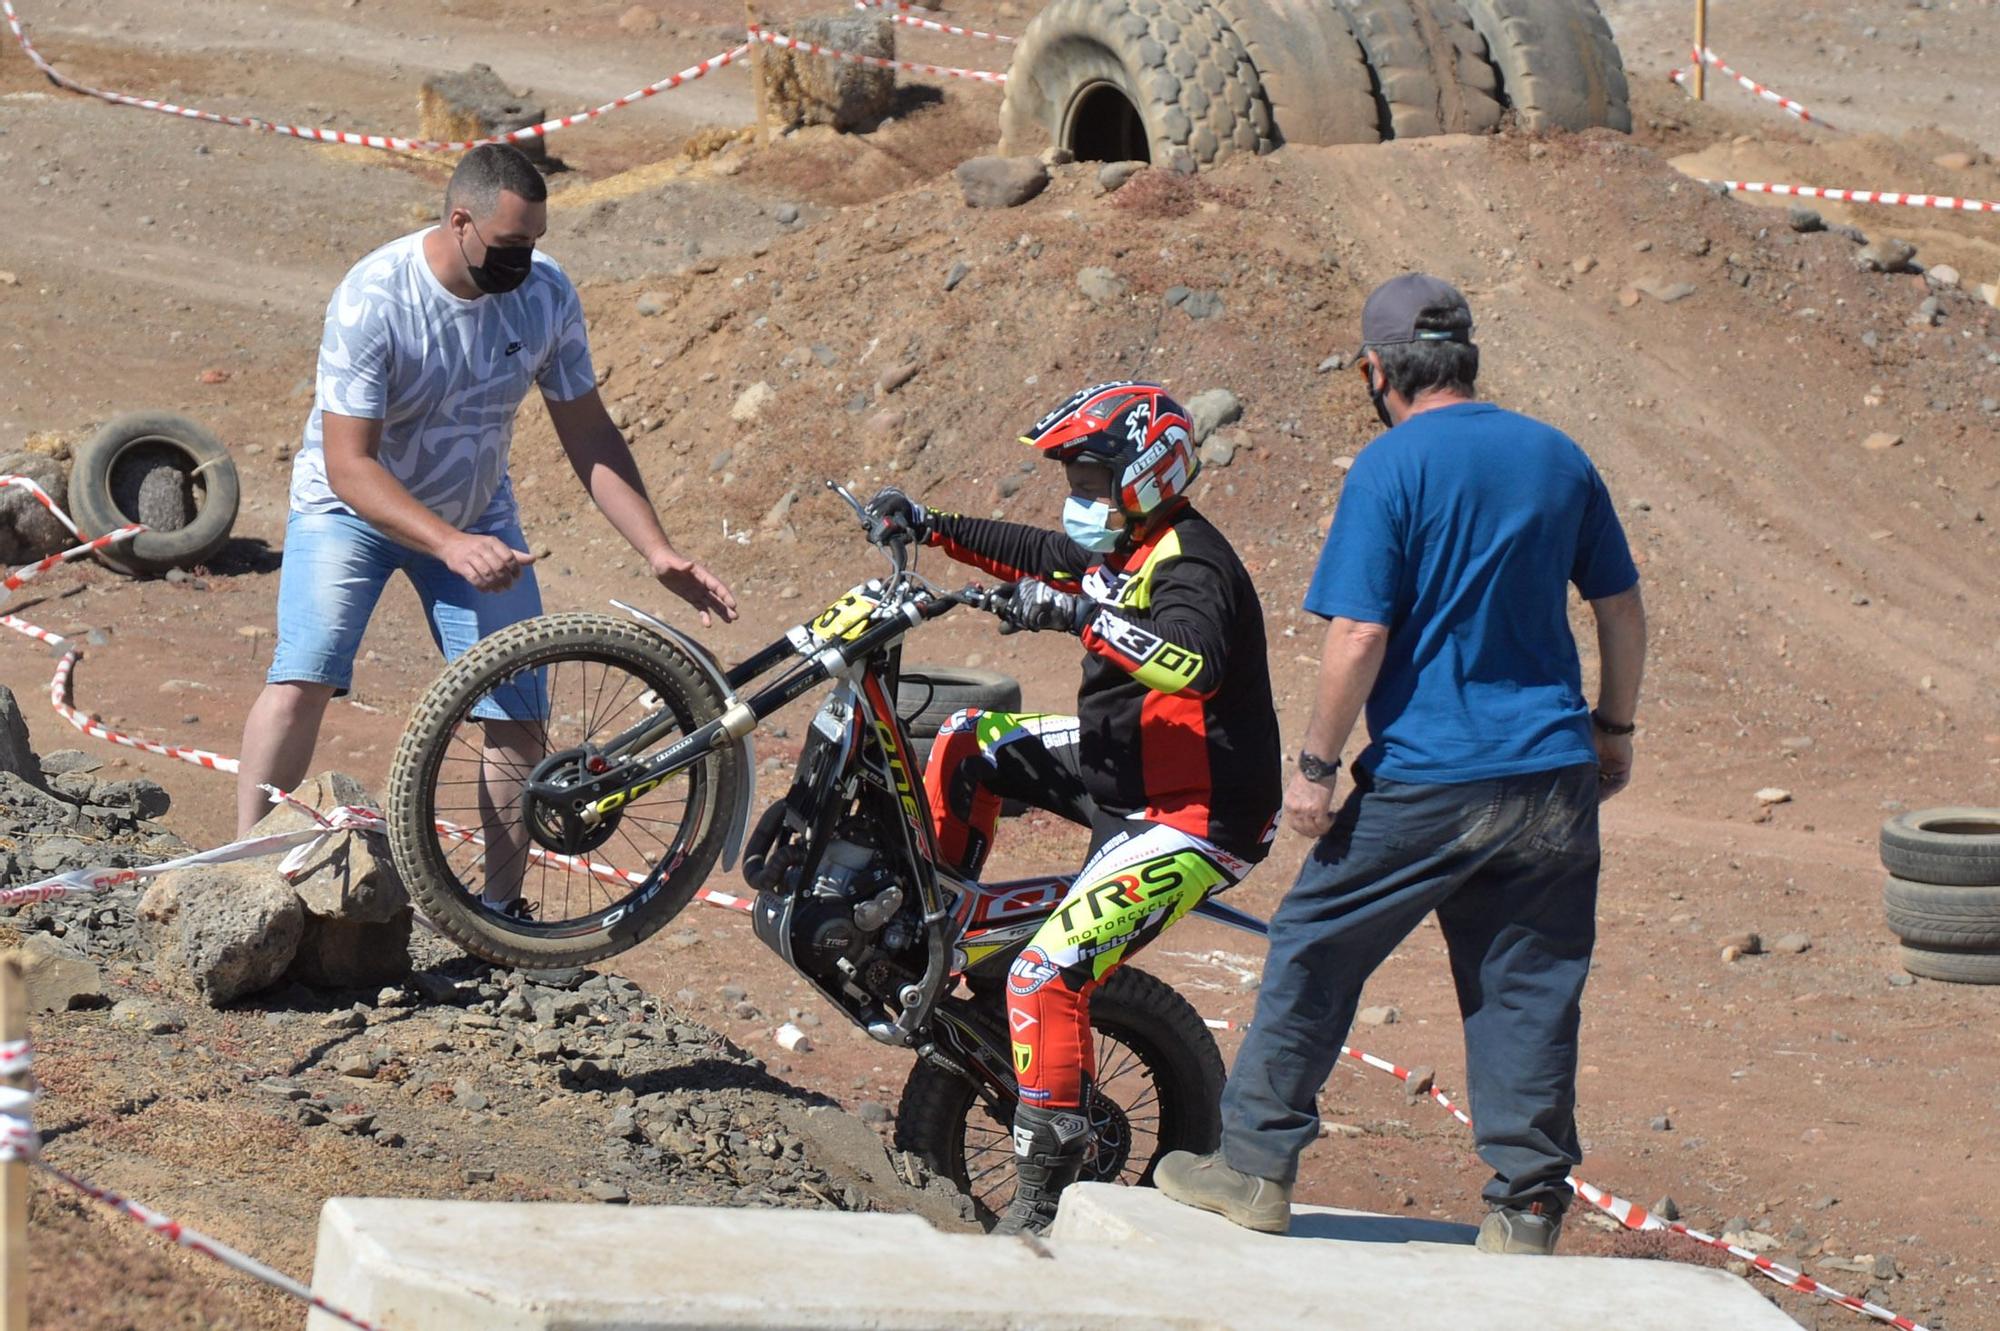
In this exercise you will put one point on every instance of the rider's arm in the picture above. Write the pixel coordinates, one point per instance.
(1010, 550)
(1180, 643)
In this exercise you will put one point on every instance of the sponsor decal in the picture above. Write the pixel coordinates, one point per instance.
(1020, 1020)
(1024, 1058)
(1030, 972)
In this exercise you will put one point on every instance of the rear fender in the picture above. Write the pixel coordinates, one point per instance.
(746, 749)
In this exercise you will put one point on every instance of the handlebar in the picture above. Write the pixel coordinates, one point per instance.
(989, 599)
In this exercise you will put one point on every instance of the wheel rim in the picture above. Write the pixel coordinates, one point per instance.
(474, 792)
(1128, 1120)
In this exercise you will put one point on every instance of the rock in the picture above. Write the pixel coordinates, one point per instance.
(1804, 220)
(159, 492)
(353, 954)
(786, 214)
(1751, 1240)
(1202, 305)
(1337, 361)
(1055, 155)
(1114, 174)
(1583, 265)
(478, 105)
(146, 1017)
(1666, 1209)
(349, 876)
(1209, 411)
(1774, 795)
(1955, 161)
(360, 1064)
(1102, 285)
(799, 88)
(894, 379)
(17, 756)
(224, 930)
(1662, 1124)
(57, 978)
(609, 1193)
(355, 1125)
(652, 305)
(1886, 255)
(1220, 449)
(63, 761)
(752, 403)
(27, 530)
(1881, 441)
(1941, 277)
(1928, 313)
(1667, 293)
(1000, 182)
(638, 19)
(956, 275)
(1629, 297)
(1379, 1016)
(148, 799)
(872, 1111)
(1792, 943)
(349, 1020)
(1748, 943)
(1882, 1266)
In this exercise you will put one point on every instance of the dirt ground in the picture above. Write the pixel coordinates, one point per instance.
(1824, 613)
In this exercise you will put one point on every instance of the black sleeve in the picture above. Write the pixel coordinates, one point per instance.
(1180, 643)
(1011, 550)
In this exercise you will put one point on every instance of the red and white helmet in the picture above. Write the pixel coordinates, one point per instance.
(1133, 428)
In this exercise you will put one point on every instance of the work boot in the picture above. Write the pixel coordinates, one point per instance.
(1532, 1229)
(1050, 1146)
(1207, 1183)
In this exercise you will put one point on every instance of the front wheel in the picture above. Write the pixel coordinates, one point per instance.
(519, 878)
(1158, 1089)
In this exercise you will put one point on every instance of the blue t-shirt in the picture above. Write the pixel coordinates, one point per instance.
(1461, 531)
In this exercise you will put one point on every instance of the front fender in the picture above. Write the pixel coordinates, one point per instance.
(746, 749)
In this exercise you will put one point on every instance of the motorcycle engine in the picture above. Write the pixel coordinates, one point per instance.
(844, 929)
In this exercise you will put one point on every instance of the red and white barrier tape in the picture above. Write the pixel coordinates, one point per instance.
(18, 1139)
(1630, 1214)
(387, 141)
(770, 38)
(1945, 201)
(902, 13)
(1683, 78)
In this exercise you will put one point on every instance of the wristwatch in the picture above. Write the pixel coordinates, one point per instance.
(1597, 719)
(1315, 768)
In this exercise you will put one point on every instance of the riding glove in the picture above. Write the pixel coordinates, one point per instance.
(1038, 607)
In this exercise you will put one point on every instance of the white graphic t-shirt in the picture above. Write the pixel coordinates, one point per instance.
(444, 375)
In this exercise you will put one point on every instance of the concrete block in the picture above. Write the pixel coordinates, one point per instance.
(1119, 1259)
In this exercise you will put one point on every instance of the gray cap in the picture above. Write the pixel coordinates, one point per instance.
(1395, 309)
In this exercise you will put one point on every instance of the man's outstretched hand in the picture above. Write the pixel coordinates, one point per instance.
(694, 584)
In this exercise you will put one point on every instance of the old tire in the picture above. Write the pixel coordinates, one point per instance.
(1951, 847)
(412, 807)
(108, 469)
(1559, 66)
(1952, 918)
(1162, 81)
(927, 695)
(1314, 74)
(1144, 1014)
(1430, 67)
(1952, 967)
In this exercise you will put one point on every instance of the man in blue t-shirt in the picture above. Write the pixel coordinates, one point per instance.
(1446, 577)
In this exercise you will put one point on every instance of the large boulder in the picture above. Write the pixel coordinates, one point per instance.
(349, 876)
(222, 931)
(797, 88)
(16, 755)
(27, 530)
(454, 108)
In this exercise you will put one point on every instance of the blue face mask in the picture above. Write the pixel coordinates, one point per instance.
(1088, 524)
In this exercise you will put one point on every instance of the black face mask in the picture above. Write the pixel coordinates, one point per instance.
(506, 267)
(1378, 393)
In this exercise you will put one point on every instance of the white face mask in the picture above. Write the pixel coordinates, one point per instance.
(1088, 524)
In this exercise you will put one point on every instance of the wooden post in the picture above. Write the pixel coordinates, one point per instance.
(1701, 50)
(14, 1179)
(758, 52)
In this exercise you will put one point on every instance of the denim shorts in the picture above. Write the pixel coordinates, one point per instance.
(335, 567)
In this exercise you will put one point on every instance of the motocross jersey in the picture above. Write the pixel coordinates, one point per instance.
(1175, 715)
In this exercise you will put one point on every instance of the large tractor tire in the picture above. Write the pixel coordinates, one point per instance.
(1312, 68)
(1160, 81)
(1559, 67)
(1431, 71)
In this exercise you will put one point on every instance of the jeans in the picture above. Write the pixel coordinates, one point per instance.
(1510, 866)
(335, 568)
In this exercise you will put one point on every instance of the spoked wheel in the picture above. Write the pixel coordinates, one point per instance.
(494, 838)
(1159, 1089)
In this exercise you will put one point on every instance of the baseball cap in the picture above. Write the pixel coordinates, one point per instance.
(1396, 309)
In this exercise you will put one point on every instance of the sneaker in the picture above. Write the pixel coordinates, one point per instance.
(520, 908)
(1532, 1230)
(1207, 1183)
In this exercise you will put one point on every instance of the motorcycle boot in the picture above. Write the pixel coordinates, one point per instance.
(1050, 1148)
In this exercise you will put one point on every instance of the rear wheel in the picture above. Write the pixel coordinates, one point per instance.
(519, 714)
(1158, 1089)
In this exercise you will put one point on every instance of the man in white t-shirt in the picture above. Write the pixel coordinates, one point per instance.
(431, 344)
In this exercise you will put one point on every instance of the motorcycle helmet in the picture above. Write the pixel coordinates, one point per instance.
(1134, 430)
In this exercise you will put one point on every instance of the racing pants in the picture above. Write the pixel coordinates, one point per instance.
(1140, 877)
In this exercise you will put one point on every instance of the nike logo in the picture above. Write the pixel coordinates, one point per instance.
(513, 347)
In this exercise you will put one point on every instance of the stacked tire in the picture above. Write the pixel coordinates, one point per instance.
(1186, 83)
(1943, 895)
